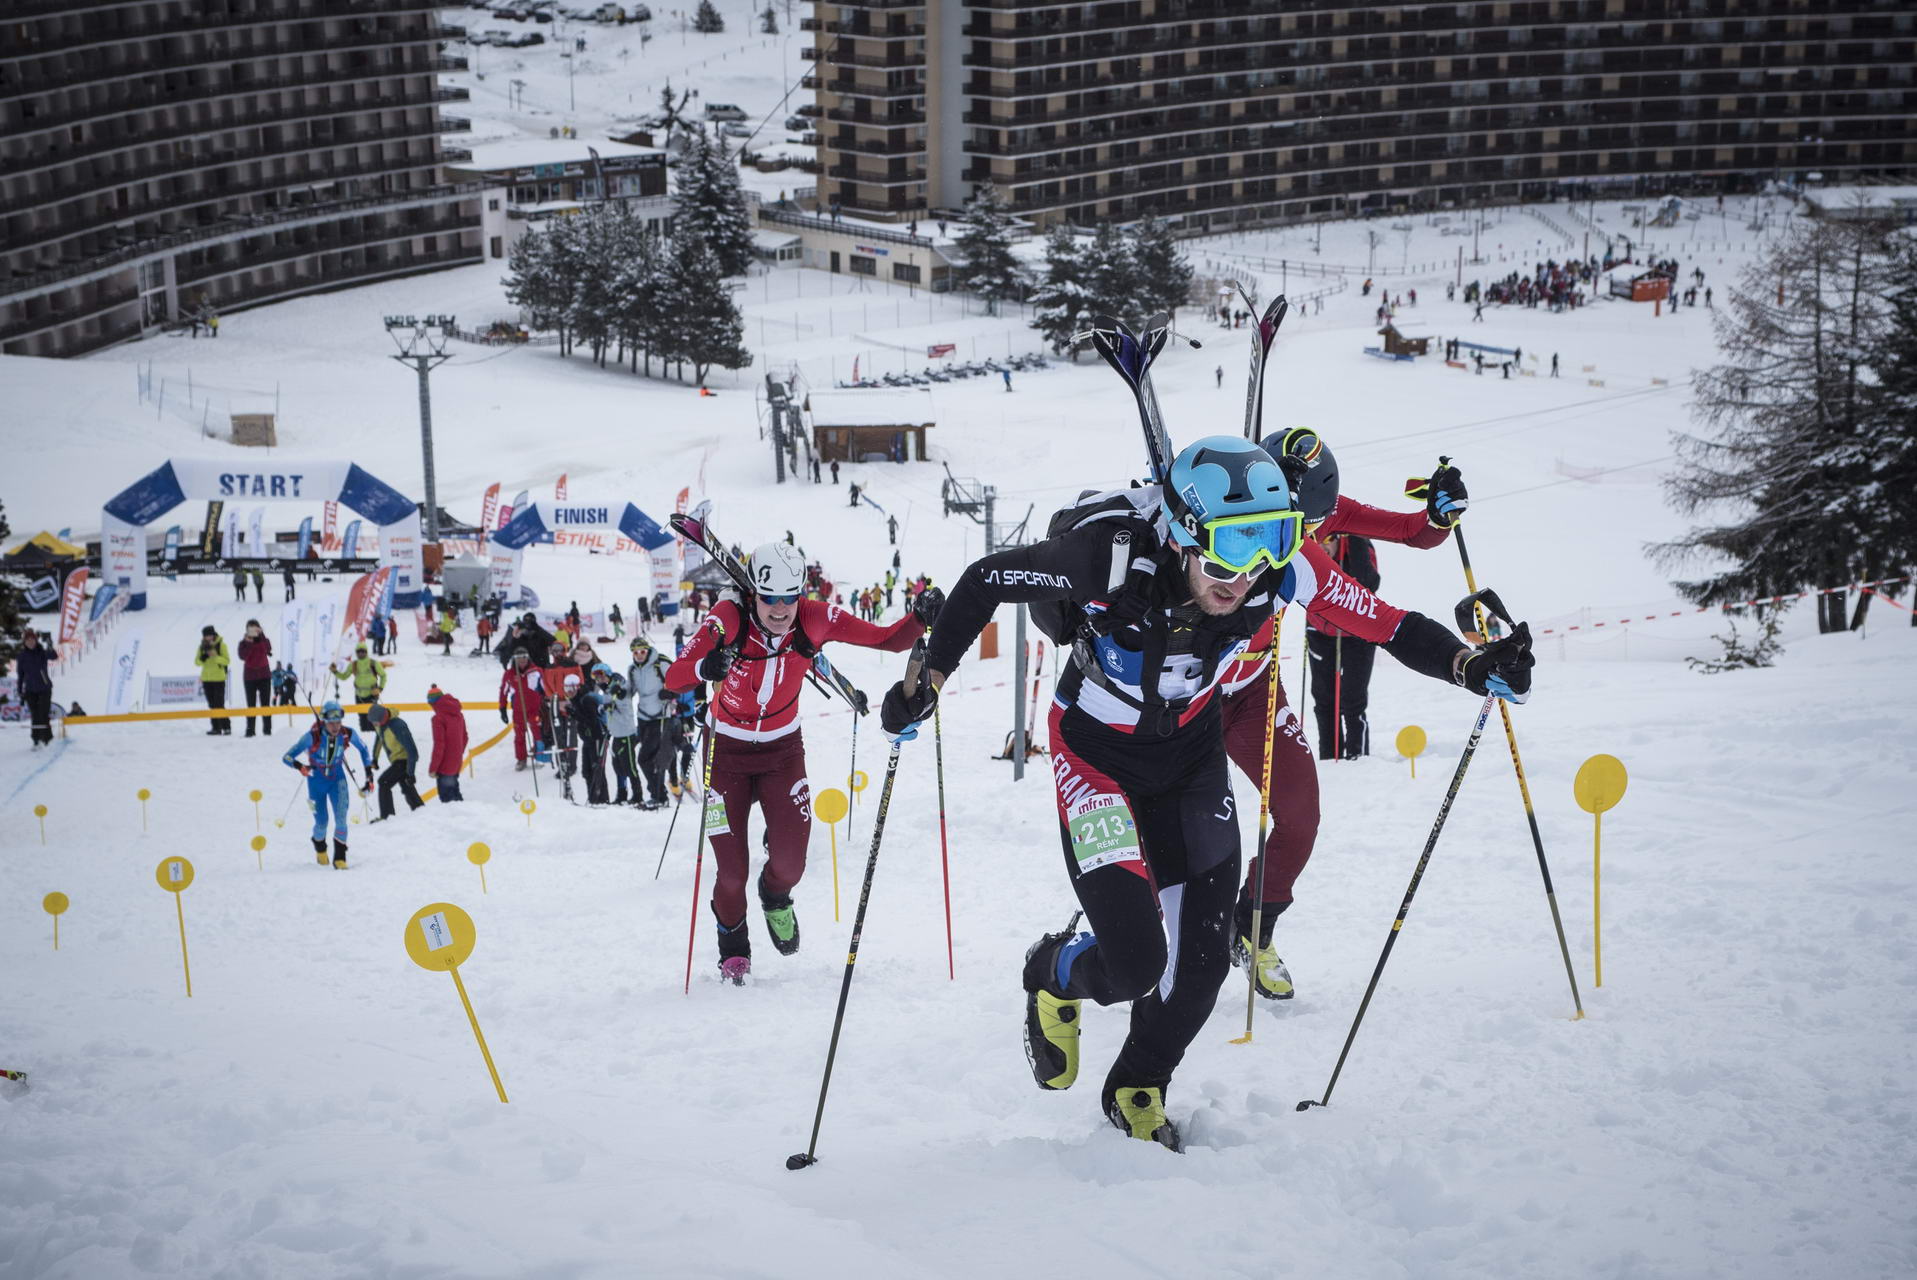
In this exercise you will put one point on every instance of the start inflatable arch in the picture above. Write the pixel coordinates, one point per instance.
(126, 517)
(506, 549)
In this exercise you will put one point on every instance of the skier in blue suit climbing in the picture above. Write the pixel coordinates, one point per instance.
(328, 777)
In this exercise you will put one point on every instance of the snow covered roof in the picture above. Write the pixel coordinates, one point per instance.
(769, 240)
(906, 406)
(524, 153)
(1838, 201)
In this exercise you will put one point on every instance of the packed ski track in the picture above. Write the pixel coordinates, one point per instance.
(1736, 1104)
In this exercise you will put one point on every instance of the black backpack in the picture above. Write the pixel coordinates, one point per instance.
(1060, 620)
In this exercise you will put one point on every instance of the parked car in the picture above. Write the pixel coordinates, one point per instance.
(725, 111)
(638, 13)
(733, 129)
(797, 123)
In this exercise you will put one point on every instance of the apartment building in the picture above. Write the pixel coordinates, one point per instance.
(1215, 112)
(161, 157)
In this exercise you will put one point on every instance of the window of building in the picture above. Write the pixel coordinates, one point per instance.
(907, 272)
(492, 205)
(864, 266)
(498, 247)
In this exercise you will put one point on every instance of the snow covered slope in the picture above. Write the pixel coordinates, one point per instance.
(1737, 1104)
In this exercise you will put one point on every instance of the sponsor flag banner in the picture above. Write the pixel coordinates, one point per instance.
(210, 534)
(559, 490)
(70, 601)
(329, 538)
(170, 550)
(291, 630)
(362, 606)
(101, 599)
(306, 539)
(349, 546)
(255, 535)
(230, 536)
(489, 508)
(126, 665)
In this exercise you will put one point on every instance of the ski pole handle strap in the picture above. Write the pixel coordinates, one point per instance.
(1467, 618)
(914, 668)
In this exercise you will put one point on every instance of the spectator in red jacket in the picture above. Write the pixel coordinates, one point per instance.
(256, 672)
(449, 743)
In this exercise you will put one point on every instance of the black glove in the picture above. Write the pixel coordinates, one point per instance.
(899, 715)
(1445, 498)
(927, 606)
(1502, 667)
(502, 715)
(715, 665)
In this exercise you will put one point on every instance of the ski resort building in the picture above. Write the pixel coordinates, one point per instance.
(1216, 114)
(528, 181)
(162, 161)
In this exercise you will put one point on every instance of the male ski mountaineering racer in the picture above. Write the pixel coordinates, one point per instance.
(759, 663)
(1171, 584)
(325, 750)
(1246, 687)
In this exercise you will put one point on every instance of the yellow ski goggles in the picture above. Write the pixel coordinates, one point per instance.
(1232, 546)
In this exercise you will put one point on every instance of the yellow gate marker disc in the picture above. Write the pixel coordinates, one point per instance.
(1600, 783)
(54, 903)
(1411, 742)
(478, 855)
(830, 805)
(174, 874)
(440, 936)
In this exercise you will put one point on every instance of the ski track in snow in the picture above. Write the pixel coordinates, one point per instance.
(1738, 1103)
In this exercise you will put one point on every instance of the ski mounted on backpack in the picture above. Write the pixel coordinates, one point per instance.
(700, 535)
(1130, 355)
(1262, 337)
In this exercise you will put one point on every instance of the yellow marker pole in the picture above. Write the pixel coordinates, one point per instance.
(441, 936)
(145, 796)
(255, 797)
(1599, 785)
(526, 807)
(1411, 744)
(831, 806)
(53, 904)
(40, 812)
(259, 846)
(478, 854)
(174, 875)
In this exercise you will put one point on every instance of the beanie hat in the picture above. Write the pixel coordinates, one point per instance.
(434, 694)
(208, 630)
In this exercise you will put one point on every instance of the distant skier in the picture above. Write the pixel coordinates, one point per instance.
(758, 654)
(325, 771)
(402, 760)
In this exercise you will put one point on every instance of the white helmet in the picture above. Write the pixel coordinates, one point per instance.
(777, 569)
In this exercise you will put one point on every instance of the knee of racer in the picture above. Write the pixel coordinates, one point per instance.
(1134, 971)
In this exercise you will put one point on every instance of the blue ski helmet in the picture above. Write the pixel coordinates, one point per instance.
(332, 711)
(1310, 468)
(1218, 477)
(601, 669)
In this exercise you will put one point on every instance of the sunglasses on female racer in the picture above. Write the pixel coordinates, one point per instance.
(790, 598)
(1231, 547)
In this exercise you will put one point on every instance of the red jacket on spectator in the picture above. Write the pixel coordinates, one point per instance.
(256, 657)
(449, 736)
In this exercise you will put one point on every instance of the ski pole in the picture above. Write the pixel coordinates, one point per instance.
(289, 804)
(1404, 908)
(698, 862)
(705, 801)
(1263, 855)
(1517, 765)
(945, 868)
(677, 803)
(913, 669)
(1338, 697)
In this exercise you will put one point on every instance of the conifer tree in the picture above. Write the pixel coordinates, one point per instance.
(1061, 300)
(710, 200)
(706, 327)
(989, 268)
(10, 620)
(1163, 275)
(707, 19)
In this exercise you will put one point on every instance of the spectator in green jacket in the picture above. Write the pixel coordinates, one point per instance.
(213, 660)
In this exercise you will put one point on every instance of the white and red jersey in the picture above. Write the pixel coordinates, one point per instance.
(525, 686)
(1333, 598)
(758, 700)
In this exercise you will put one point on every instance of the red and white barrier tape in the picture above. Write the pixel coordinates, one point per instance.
(1725, 608)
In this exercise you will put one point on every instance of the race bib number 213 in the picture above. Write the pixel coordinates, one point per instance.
(1103, 832)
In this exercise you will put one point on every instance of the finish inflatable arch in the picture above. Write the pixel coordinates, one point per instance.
(506, 549)
(126, 517)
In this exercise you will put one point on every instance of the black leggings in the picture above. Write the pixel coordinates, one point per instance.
(1178, 791)
(259, 693)
(1347, 697)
